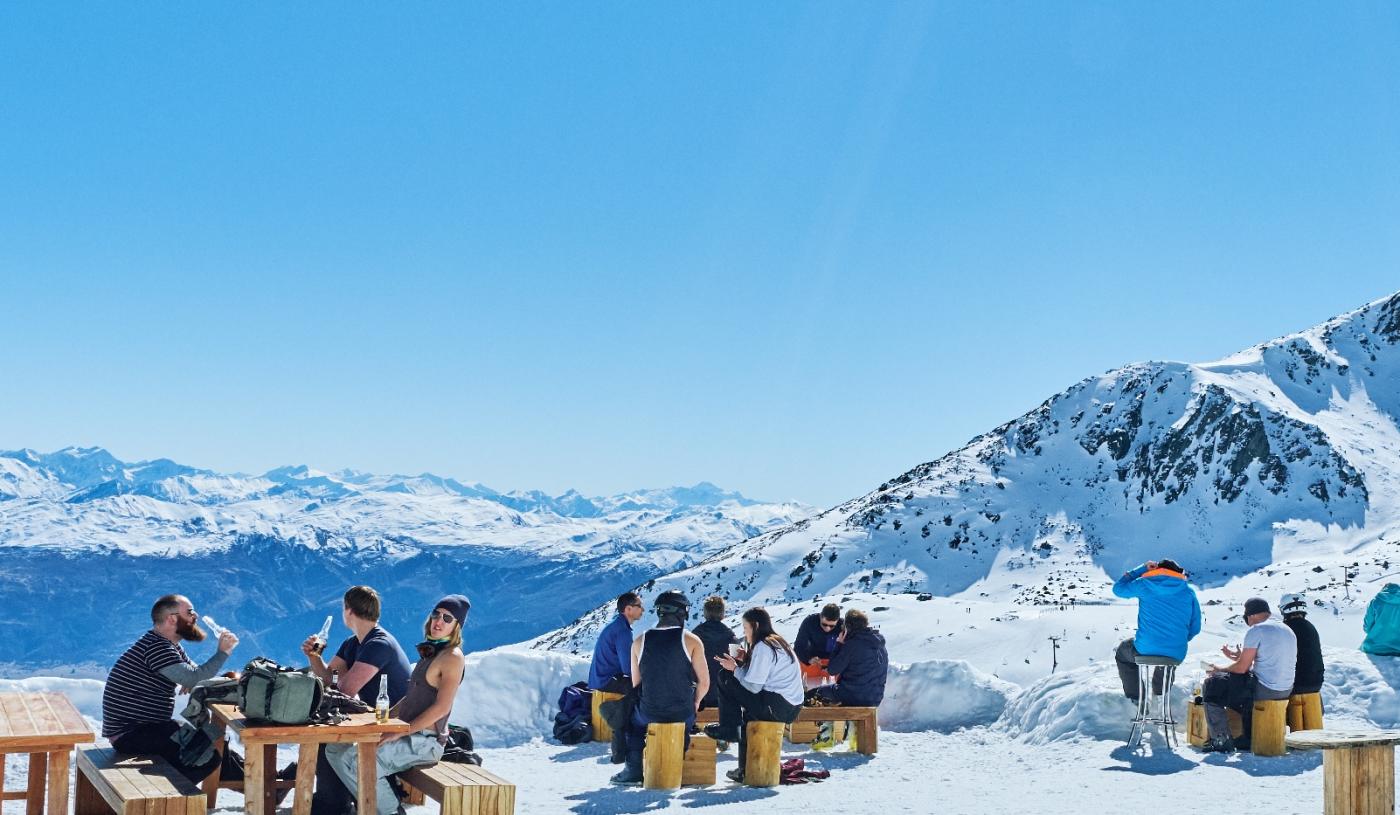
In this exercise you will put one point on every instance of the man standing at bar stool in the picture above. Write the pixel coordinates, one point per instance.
(1169, 615)
(138, 702)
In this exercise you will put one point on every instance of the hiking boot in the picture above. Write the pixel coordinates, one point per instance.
(1219, 744)
(627, 778)
(631, 775)
(1243, 743)
(736, 775)
(718, 733)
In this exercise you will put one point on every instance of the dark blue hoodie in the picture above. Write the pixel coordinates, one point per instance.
(1168, 613)
(861, 667)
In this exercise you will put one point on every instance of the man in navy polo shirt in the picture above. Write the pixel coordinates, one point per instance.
(360, 660)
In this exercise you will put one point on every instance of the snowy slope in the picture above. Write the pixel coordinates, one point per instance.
(272, 553)
(1280, 459)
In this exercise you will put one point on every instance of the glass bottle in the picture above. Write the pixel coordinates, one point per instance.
(381, 705)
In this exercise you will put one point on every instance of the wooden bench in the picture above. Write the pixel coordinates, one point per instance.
(109, 783)
(461, 789)
(865, 719)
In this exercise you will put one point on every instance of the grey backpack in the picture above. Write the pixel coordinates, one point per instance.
(270, 693)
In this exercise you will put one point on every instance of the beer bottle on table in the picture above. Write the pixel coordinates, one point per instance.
(323, 635)
(335, 680)
(381, 705)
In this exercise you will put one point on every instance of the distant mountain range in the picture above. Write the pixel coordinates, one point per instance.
(88, 541)
(1287, 450)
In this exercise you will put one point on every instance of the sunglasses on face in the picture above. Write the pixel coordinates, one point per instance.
(442, 615)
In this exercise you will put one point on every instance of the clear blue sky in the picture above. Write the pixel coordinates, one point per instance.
(792, 248)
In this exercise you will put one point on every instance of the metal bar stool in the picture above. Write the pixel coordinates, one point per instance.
(1145, 717)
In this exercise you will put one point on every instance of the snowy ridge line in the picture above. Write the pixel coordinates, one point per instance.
(1286, 451)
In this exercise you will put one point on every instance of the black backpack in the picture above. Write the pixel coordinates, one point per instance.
(460, 749)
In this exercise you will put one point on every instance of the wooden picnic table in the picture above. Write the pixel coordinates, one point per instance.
(1358, 769)
(47, 727)
(260, 757)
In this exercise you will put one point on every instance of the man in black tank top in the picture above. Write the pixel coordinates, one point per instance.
(669, 678)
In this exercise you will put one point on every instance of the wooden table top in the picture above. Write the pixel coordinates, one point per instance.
(39, 720)
(357, 727)
(1335, 739)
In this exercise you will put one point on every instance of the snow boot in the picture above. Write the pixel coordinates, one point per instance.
(631, 775)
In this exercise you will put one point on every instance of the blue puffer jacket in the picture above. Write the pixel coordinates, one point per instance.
(1168, 613)
(862, 665)
(1382, 624)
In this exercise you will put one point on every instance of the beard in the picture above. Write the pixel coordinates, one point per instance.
(189, 630)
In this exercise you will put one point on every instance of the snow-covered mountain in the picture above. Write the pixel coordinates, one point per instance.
(88, 541)
(1283, 457)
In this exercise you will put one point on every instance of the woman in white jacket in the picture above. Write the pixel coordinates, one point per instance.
(764, 684)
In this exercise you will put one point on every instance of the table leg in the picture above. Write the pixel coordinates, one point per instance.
(211, 784)
(38, 770)
(306, 777)
(367, 763)
(58, 781)
(253, 759)
(269, 778)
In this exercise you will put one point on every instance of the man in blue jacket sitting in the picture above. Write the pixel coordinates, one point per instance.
(611, 669)
(1168, 617)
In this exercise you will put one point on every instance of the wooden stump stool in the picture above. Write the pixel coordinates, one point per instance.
(1305, 712)
(1269, 727)
(763, 754)
(1358, 769)
(663, 760)
(1197, 734)
(601, 731)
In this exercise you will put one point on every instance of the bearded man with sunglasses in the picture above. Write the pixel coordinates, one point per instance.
(138, 702)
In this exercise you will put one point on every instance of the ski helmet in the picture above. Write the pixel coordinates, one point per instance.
(671, 602)
(1293, 604)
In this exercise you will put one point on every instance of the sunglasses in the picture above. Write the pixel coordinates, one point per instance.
(442, 615)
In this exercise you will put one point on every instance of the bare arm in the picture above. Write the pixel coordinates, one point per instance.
(637, 662)
(1242, 663)
(352, 680)
(697, 664)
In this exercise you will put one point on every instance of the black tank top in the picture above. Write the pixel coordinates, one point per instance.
(668, 680)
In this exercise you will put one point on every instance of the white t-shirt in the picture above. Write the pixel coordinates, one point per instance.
(1277, 658)
(772, 669)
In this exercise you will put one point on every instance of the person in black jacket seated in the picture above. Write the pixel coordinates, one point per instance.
(669, 677)
(818, 639)
(1308, 676)
(716, 637)
(860, 666)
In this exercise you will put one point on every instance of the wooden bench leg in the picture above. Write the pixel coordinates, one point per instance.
(38, 773)
(868, 735)
(210, 785)
(87, 800)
